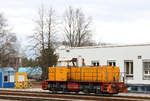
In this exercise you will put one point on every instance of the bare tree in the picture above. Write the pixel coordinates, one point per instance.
(8, 45)
(77, 28)
(51, 27)
(43, 39)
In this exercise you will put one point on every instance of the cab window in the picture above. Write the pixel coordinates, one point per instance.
(61, 64)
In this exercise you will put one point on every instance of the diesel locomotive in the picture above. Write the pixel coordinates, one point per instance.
(68, 76)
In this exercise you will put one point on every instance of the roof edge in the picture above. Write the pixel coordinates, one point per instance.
(107, 46)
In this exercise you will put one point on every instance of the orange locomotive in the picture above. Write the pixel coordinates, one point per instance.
(67, 76)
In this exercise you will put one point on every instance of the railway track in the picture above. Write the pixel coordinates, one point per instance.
(45, 96)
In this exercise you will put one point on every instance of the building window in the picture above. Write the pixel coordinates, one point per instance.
(129, 69)
(111, 62)
(95, 63)
(139, 57)
(5, 78)
(146, 69)
(67, 50)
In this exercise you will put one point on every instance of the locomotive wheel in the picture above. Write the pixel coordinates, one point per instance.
(97, 91)
(76, 92)
(54, 91)
(64, 91)
(86, 91)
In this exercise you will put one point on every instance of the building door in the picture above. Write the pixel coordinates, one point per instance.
(128, 65)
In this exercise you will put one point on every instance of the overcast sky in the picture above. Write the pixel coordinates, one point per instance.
(114, 21)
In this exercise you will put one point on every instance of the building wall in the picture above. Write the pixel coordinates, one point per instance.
(136, 53)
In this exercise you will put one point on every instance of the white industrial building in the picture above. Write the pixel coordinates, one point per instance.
(132, 59)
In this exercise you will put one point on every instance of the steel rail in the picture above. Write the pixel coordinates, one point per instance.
(72, 96)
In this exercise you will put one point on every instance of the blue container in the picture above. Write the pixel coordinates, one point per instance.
(8, 79)
(1, 80)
